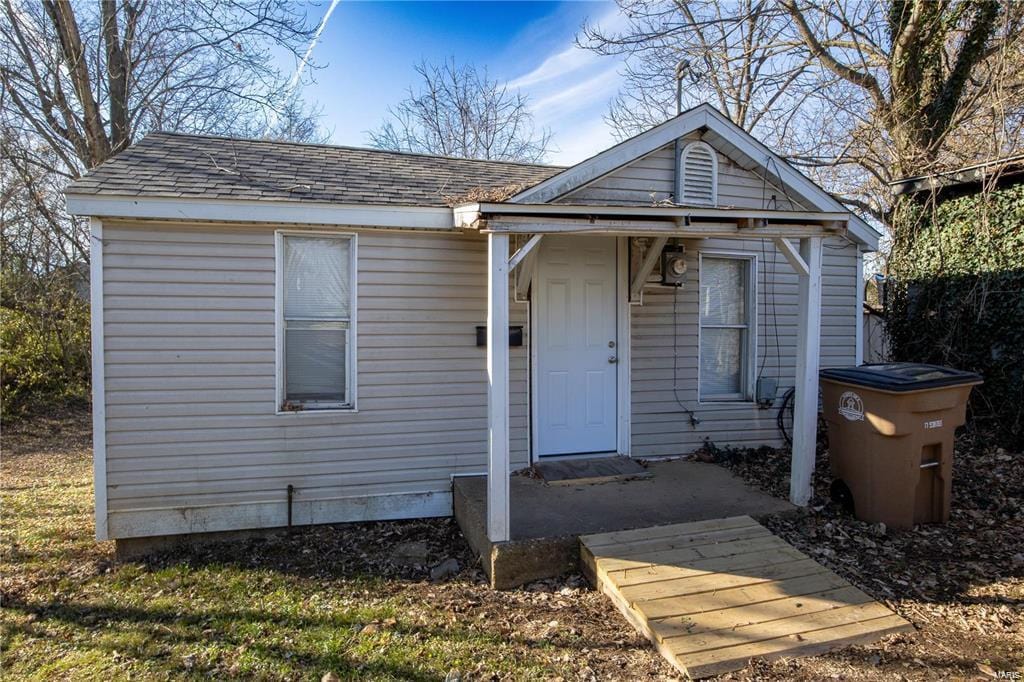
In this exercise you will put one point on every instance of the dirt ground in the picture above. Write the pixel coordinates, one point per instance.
(358, 600)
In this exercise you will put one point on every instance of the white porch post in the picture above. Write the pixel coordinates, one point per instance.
(497, 388)
(805, 407)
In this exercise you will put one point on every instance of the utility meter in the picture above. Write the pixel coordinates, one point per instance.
(673, 265)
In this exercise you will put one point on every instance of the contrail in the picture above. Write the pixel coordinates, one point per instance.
(294, 80)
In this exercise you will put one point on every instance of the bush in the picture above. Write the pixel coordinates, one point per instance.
(44, 343)
(958, 299)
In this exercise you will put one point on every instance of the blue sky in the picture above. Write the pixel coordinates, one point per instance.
(368, 50)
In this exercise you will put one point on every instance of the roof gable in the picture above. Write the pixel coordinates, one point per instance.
(716, 129)
(651, 180)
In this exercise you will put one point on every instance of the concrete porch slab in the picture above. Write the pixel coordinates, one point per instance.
(548, 520)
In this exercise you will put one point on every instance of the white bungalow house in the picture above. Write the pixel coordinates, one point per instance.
(289, 333)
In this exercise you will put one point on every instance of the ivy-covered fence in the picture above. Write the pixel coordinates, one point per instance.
(958, 298)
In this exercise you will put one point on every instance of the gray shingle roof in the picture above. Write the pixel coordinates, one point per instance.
(174, 165)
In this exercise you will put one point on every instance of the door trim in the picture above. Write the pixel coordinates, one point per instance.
(623, 391)
(623, 312)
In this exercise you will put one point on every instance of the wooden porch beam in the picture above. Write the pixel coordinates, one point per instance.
(650, 258)
(805, 400)
(792, 255)
(542, 225)
(498, 524)
(524, 275)
(523, 252)
(493, 210)
(650, 228)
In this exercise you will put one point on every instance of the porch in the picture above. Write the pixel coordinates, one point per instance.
(516, 234)
(547, 520)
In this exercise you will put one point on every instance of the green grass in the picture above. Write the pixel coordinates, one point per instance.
(294, 607)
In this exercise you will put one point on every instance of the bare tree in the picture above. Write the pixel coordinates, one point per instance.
(859, 93)
(733, 56)
(80, 82)
(460, 111)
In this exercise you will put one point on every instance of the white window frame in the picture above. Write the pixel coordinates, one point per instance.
(746, 395)
(680, 190)
(351, 355)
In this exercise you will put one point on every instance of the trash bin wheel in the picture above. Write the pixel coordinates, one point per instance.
(841, 495)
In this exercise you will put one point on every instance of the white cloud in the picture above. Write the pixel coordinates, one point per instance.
(557, 65)
(569, 93)
(580, 95)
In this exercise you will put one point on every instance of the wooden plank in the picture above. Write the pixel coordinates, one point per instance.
(681, 556)
(668, 542)
(676, 529)
(498, 516)
(650, 259)
(649, 573)
(637, 619)
(744, 596)
(731, 592)
(523, 252)
(775, 629)
(716, 582)
(805, 399)
(708, 663)
(792, 255)
(667, 628)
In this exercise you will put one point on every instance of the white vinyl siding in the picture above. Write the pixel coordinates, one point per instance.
(660, 425)
(316, 301)
(193, 441)
(651, 179)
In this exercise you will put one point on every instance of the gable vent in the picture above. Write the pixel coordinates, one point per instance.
(698, 174)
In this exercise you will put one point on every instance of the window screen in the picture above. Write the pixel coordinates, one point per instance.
(317, 292)
(724, 328)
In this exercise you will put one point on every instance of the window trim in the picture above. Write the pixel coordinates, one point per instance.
(351, 356)
(746, 396)
(680, 190)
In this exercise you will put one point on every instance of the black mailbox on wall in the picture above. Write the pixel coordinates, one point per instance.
(515, 335)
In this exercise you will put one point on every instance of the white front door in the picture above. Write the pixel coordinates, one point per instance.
(574, 299)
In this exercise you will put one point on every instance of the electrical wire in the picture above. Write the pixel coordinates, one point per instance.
(780, 418)
(675, 357)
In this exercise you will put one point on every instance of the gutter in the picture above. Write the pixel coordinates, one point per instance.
(260, 211)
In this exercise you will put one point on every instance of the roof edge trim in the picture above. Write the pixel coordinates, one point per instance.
(260, 211)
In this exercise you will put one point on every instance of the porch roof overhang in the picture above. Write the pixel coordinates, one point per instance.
(674, 221)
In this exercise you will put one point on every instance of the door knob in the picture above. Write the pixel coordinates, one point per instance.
(612, 359)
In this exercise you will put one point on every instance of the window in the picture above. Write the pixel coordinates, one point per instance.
(316, 304)
(698, 176)
(726, 303)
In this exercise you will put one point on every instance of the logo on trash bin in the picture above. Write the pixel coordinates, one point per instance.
(851, 406)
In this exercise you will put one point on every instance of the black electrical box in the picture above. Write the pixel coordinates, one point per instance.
(515, 335)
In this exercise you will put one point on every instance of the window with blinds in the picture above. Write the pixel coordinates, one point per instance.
(315, 273)
(698, 176)
(725, 328)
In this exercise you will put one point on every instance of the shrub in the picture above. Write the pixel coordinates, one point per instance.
(44, 343)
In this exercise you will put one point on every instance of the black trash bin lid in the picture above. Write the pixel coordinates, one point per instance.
(901, 376)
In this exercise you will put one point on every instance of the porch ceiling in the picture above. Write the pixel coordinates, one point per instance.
(680, 221)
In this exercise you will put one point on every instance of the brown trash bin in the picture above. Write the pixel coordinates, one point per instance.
(890, 430)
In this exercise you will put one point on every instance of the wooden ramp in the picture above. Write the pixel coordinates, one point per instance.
(711, 595)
